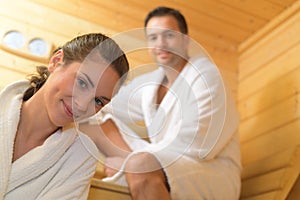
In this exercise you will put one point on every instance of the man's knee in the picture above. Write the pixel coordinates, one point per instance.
(142, 163)
(144, 170)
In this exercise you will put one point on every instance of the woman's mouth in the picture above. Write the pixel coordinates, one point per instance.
(68, 110)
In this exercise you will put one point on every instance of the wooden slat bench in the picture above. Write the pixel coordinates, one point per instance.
(272, 177)
(269, 178)
(108, 191)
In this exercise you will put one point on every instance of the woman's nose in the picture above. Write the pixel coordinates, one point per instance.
(81, 104)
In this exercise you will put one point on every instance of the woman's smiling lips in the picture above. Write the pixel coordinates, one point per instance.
(68, 110)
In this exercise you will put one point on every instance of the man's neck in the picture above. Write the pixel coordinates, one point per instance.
(171, 73)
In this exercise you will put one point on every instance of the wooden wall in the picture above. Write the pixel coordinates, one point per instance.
(48, 19)
(35, 20)
(269, 87)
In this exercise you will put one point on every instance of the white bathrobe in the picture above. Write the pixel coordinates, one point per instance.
(193, 132)
(59, 169)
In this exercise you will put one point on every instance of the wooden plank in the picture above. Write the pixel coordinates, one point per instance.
(97, 193)
(203, 21)
(265, 196)
(281, 179)
(270, 119)
(278, 160)
(225, 12)
(268, 28)
(90, 12)
(285, 3)
(18, 64)
(30, 32)
(295, 192)
(273, 71)
(107, 191)
(271, 143)
(266, 49)
(290, 178)
(262, 184)
(62, 24)
(8, 76)
(125, 8)
(261, 9)
(284, 87)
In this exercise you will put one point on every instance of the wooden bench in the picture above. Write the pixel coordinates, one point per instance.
(272, 177)
(269, 178)
(103, 190)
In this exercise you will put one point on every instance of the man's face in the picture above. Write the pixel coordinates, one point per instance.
(166, 44)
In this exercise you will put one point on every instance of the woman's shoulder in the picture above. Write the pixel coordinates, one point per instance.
(16, 87)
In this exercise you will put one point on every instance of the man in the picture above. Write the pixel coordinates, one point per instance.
(193, 148)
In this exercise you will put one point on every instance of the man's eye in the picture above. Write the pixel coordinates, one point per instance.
(99, 102)
(152, 38)
(170, 35)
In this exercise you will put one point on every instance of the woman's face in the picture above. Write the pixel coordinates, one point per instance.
(78, 90)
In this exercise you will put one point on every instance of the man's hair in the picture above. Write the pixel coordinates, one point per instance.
(163, 11)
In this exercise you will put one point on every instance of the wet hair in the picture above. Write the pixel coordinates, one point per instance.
(76, 50)
(164, 11)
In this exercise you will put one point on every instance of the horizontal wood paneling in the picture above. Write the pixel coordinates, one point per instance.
(271, 94)
(275, 117)
(268, 101)
(282, 3)
(264, 11)
(107, 191)
(9, 76)
(276, 161)
(271, 143)
(278, 180)
(48, 20)
(270, 47)
(262, 184)
(269, 195)
(282, 65)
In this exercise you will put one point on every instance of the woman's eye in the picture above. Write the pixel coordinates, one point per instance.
(99, 102)
(82, 83)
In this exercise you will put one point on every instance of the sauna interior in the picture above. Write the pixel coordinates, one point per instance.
(255, 43)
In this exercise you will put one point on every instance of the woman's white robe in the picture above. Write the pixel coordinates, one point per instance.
(61, 168)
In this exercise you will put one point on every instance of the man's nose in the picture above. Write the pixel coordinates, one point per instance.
(161, 42)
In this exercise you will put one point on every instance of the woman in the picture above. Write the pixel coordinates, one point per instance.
(42, 156)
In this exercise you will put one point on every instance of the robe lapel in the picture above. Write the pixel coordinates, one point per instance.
(41, 158)
(149, 96)
(168, 114)
(11, 100)
(36, 161)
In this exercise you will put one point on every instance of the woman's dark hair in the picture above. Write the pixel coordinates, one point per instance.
(76, 50)
(163, 11)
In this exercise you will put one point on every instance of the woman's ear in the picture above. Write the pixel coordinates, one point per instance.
(55, 60)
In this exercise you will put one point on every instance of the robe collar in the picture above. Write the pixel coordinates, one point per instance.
(36, 161)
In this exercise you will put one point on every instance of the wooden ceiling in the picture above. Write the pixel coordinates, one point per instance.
(220, 26)
(214, 23)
